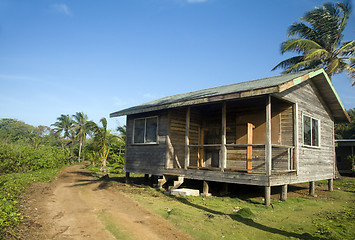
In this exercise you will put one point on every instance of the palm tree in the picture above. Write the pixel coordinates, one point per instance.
(320, 42)
(63, 125)
(102, 139)
(81, 129)
(122, 138)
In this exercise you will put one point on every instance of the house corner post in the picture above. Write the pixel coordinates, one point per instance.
(268, 146)
(127, 179)
(223, 146)
(267, 196)
(187, 138)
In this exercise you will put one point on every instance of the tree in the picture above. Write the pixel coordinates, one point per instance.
(346, 130)
(102, 138)
(81, 129)
(320, 44)
(64, 125)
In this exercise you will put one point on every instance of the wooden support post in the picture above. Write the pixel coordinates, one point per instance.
(201, 150)
(330, 185)
(146, 177)
(295, 136)
(267, 196)
(187, 139)
(283, 196)
(224, 131)
(311, 188)
(128, 179)
(205, 187)
(268, 146)
(250, 128)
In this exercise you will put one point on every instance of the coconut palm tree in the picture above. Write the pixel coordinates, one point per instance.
(81, 129)
(64, 125)
(102, 138)
(320, 43)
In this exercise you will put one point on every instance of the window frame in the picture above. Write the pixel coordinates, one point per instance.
(311, 127)
(145, 131)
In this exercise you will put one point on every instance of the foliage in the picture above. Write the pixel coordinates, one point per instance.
(319, 44)
(11, 188)
(81, 129)
(346, 130)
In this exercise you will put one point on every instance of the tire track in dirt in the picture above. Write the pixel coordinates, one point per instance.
(77, 207)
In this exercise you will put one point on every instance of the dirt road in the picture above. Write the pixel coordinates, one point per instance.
(76, 206)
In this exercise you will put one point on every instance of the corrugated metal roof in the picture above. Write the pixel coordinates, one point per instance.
(265, 85)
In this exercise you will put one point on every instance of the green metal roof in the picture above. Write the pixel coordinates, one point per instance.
(238, 90)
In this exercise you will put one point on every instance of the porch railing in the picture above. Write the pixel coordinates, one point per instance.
(248, 158)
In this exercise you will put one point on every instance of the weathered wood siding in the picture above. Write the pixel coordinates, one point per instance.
(314, 163)
(147, 158)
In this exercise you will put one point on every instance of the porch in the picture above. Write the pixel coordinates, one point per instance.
(250, 139)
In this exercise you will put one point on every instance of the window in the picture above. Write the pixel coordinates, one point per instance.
(145, 130)
(310, 131)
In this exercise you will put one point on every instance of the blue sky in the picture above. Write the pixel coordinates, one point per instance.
(61, 57)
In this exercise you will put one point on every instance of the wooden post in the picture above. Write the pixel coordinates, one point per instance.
(205, 188)
(146, 177)
(267, 195)
(201, 150)
(311, 188)
(330, 185)
(128, 180)
(283, 196)
(295, 136)
(187, 139)
(250, 128)
(223, 145)
(268, 146)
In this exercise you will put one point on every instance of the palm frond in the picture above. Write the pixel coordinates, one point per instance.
(299, 45)
(317, 54)
(289, 62)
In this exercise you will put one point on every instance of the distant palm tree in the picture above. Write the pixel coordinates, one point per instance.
(319, 43)
(63, 125)
(81, 129)
(102, 139)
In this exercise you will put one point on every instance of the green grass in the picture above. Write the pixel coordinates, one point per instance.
(330, 216)
(11, 187)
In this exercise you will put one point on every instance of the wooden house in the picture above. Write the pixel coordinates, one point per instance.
(267, 132)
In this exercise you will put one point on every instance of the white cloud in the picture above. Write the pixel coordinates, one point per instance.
(62, 8)
(196, 1)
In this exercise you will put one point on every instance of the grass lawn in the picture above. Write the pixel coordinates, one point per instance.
(242, 215)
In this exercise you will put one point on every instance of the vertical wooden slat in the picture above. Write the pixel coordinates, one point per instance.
(187, 139)
(268, 146)
(201, 150)
(224, 133)
(250, 128)
(295, 136)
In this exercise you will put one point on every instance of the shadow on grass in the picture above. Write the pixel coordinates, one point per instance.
(250, 222)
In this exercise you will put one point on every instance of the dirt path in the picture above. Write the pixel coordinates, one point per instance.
(76, 206)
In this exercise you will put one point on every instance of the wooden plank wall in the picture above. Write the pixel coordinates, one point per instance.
(314, 163)
(148, 159)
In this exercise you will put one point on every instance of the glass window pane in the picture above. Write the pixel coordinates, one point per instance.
(151, 131)
(139, 131)
(315, 140)
(307, 137)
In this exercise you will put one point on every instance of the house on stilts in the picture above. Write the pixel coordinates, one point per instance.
(268, 132)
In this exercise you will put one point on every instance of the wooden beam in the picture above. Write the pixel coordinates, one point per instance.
(201, 150)
(187, 138)
(295, 136)
(224, 133)
(268, 146)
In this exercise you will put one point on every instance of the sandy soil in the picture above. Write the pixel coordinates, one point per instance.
(77, 206)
